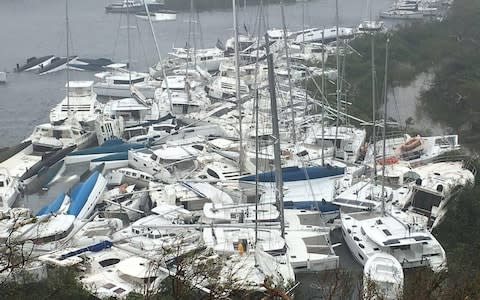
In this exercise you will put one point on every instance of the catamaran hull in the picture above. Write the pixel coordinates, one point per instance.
(40, 64)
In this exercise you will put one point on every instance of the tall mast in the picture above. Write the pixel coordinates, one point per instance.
(128, 46)
(323, 100)
(374, 125)
(237, 86)
(337, 123)
(384, 124)
(169, 94)
(276, 136)
(257, 145)
(68, 54)
(294, 135)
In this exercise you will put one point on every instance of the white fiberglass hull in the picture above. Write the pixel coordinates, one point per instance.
(121, 90)
(159, 16)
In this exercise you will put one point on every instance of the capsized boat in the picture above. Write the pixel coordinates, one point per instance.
(34, 63)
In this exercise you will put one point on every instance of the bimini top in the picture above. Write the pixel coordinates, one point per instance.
(297, 174)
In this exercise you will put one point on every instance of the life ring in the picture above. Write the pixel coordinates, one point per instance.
(388, 160)
(411, 143)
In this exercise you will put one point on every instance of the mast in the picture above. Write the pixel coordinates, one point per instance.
(384, 124)
(257, 145)
(128, 46)
(276, 136)
(237, 86)
(323, 100)
(374, 134)
(337, 123)
(68, 54)
(294, 135)
(169, 93)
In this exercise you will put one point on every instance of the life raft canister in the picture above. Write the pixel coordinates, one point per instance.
(411, 143)
(388, 160)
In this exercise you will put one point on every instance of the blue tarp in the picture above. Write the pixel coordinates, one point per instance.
(297, 174)
(92, 248)
(53, 206)
(80, 194)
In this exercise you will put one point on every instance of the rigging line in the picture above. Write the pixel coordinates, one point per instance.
(284, 27)
(200, 31)
(117, 36)
(141, 42)
(397, 109)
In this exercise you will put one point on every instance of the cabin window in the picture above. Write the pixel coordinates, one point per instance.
(361, 246)
(361, 257)
(213, 173)
(141, 79)
(108, 286)
(109, 262)
(198, 147)
(401, 247)
(119, 291)
(2, 184)
(387, 233)
(302, 153)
